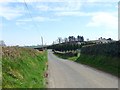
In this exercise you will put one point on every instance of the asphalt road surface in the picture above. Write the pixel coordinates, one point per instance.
(68, 74)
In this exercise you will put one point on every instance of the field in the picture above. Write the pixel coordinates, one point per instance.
(23, 68)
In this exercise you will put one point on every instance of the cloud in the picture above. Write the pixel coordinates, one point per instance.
(41, 19)
(93, 1)
(108, 20)
(33, 1)
(24, 20)
(35, 19)
(20, 23)
(104, 1)
(73, 13)
(60, 6)
(105, 19)
(10, 13)
(43, 7)
(2, 1)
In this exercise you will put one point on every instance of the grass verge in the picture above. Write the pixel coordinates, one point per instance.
(70, 56)
(104, 63)
(23, 68)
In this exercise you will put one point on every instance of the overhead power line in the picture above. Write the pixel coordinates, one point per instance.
(34, 23)
(26, 5)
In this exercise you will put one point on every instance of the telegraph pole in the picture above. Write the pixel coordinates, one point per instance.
(42, 41)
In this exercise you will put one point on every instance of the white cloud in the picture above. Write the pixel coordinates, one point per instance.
(33, 1)
(107, 21)
(24, 20)
(73, 13)
(66, 8)
(20, 23)
(42, 19)
(36, 19)
(2, 1)
(58, 0)
(43, 7)
(10, 13)
(66, 5)
(106, 1)
(104, 19)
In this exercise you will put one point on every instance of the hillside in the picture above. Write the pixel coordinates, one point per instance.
(23, 68)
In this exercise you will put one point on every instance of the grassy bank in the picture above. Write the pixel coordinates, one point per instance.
(104, 63)
(69, 56)
(105, 57)
(23, 68)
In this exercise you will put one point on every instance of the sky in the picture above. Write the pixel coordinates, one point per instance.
(24, 22)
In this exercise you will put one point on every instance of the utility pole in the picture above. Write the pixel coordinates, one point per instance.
(42, 41)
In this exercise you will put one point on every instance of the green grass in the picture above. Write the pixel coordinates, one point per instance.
(104, 63)
(23, 68)
(69, 56)
(74, 58)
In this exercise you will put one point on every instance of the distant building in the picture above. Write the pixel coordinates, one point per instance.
(102, 40)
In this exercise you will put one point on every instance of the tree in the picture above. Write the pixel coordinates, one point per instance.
(65, 40)
(71, 38)
(59, 40)
(82, 38)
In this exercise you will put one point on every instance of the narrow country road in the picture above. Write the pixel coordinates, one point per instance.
(68, 74)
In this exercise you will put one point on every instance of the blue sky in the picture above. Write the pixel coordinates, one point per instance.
(57, 18)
